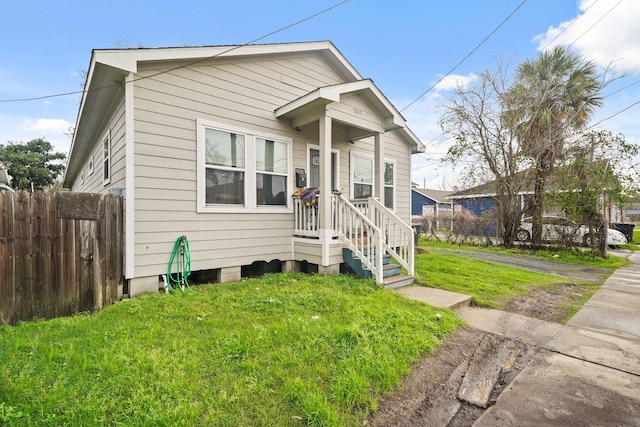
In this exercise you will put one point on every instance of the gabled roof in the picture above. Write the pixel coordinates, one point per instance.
(392, 119)
(438, 196)
(108, 69)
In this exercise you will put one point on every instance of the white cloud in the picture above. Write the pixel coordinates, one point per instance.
(23, 129)
(455, 81)
(605, 32)
(47, 126)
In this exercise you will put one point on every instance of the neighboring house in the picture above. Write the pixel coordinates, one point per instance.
(5, 179)
(432, 204)
(212, 142)
(426, 201)
(481, 200)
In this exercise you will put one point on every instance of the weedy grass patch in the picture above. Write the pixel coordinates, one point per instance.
(489, 284)
(283, 350)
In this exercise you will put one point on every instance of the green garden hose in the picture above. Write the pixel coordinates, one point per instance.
(180, 256)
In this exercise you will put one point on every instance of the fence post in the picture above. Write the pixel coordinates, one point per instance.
(7, 259)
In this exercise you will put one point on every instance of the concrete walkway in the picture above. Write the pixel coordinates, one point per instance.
(585, 373)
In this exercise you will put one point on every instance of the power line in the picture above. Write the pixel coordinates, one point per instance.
(37, 98)
(468, 55)
(570, 24)
(597, 22)
(613, 115)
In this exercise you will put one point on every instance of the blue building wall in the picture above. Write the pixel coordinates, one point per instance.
(477, 206)
(418, 200)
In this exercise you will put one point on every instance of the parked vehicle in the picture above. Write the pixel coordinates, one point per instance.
(555, 228)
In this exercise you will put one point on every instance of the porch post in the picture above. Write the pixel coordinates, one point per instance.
(378, 168)
(324, 205)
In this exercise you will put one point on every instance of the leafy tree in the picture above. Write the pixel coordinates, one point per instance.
(32, 164)
(598, 167)
(476, 117)
(554, 97)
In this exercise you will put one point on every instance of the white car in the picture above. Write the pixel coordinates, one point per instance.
(555, 228)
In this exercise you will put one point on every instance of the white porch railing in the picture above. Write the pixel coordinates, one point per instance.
(398, 235)
(363, 226)
(306, 221)
(361, 236)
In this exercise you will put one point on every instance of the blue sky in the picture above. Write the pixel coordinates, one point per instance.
(404, 46)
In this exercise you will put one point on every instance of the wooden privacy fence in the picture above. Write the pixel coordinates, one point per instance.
(60, 254)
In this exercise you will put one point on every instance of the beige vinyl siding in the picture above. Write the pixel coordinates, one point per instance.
(397, 150)
(394, 150)
(115, 128)
(357, 111)
(310, 251)
(241, 95)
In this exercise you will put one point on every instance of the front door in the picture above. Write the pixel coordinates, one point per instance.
(314, 168)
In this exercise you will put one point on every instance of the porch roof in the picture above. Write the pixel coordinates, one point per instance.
(309, 107)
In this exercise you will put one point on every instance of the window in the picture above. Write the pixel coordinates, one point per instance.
(90, 167)
(362, 177)
(389, 184)
(106, 160)
(239, 170)
(271, 172)
(224, 167)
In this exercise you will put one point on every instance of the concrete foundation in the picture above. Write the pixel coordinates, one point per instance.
(142, 285)
(230, 274)
(329, 270)
(290, 266)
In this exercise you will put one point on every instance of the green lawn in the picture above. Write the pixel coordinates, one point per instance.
(491, 284)
(283, 350)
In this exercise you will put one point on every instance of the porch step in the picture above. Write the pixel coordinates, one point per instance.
(398, 281)
(392, 273)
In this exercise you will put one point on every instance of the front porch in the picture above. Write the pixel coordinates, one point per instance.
(365, 234)
(355, 122)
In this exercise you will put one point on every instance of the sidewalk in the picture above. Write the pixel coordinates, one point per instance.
(584, 373)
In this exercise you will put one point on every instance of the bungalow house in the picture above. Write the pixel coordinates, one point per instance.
(481, 200)
(426, 201)
(432, 204)
(218, 143)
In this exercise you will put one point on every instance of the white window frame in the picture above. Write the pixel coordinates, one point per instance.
(351, 171)
(90, 165)
(250, 170)
(336, 176)
(106, 158)
(286, 174)
(395, 183)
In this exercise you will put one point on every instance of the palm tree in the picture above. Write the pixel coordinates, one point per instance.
(554, 96)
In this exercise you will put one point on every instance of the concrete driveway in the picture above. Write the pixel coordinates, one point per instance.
(587, 372)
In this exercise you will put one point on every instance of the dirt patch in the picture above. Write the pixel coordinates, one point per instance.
(433, 394)
(552, 305)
